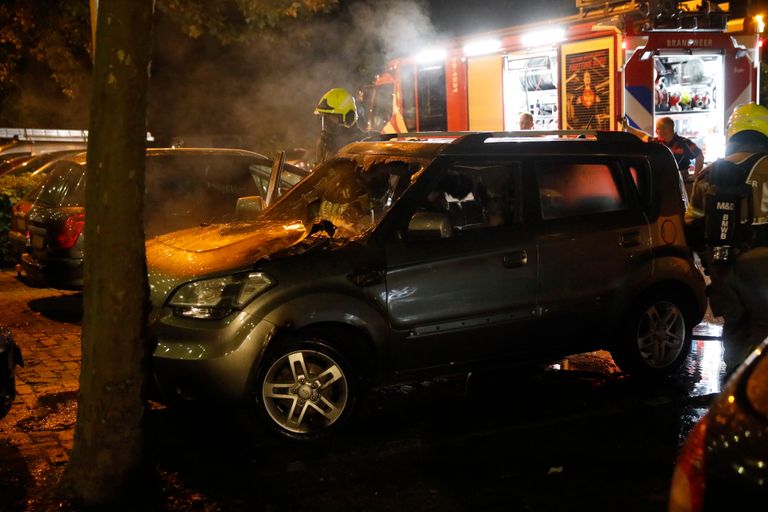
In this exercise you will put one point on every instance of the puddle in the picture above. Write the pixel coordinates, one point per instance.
(57, 411)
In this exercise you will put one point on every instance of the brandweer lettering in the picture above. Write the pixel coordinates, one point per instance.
(685, 43)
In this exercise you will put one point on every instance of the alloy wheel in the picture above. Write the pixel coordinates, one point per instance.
(305, 391)
(661, 334)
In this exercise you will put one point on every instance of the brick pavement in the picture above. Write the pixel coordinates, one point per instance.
(36, 436)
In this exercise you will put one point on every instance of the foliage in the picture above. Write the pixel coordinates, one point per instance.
(232, 21)
(42, 39)
(12, 189)
(5, 224)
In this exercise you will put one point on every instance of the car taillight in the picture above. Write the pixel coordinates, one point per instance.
(686, 493)
(71, 230)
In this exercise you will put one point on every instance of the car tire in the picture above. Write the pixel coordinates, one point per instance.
(305, 389)
(655, 338)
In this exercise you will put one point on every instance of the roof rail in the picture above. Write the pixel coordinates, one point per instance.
(467, 138)
(603, 135)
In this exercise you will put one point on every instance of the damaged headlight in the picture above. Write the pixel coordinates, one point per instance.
(215, 298)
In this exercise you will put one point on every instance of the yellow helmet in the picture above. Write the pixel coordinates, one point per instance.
(338, 101)
(748, 117)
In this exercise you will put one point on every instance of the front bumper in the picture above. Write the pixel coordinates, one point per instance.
(206, 360)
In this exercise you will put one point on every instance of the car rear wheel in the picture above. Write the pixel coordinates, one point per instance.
(305, 390)
(656, 337)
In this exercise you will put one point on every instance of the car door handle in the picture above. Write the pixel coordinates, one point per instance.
(515, 259)
(629, 239)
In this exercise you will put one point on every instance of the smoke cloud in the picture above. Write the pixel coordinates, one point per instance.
(266, 90)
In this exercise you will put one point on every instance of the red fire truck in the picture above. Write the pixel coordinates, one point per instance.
(615, 61)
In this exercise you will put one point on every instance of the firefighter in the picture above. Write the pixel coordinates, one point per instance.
(338, 118)
(685, 151)
(727, 219)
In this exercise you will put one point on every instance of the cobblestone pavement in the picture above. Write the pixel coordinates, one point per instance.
(36, 436)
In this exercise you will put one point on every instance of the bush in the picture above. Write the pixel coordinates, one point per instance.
(12, 189)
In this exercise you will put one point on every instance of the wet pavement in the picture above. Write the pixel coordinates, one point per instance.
(578, 435)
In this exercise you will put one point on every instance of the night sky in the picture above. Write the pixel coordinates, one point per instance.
(460, 17)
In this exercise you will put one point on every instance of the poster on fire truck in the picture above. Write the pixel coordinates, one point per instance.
(588, 92)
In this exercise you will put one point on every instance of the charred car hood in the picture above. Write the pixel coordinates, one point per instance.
(181, 256)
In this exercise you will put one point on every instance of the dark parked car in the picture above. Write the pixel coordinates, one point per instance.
(402, 259)
(37, 167)
(10, 161)
(724, 462)
(35, 163)
(184, 187)
(10, 357)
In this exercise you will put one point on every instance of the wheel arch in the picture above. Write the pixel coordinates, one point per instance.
(354, 327)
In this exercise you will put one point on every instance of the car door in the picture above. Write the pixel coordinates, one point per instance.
(461, 297)
(593, 242)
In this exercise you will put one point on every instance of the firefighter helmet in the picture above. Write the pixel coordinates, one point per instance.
(338, 101)
(749, 117)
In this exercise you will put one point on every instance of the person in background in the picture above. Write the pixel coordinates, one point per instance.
(338, 123)
(727, 223)
(685, 151)
(526, 121)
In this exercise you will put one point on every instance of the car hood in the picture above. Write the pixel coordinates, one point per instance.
(177, 257)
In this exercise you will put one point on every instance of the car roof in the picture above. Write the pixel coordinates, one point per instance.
(536, 143)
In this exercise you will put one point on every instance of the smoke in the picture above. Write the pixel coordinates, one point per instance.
(398, 26)
(267, 89)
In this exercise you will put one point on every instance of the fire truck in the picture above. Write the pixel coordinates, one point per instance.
(614, 63)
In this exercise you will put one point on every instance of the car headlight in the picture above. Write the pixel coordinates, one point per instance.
(217, 297)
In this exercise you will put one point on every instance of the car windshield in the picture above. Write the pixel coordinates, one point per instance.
(346, 197)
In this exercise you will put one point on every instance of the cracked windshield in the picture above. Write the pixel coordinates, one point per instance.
(343, 198)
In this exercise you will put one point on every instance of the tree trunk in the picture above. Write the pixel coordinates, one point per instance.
(108, 454)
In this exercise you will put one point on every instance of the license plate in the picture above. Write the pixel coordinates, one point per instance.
(37, 241)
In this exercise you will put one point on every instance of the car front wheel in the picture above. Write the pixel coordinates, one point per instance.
(305, 390)
(656, 337)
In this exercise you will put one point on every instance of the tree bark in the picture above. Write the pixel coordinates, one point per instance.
(108, 457)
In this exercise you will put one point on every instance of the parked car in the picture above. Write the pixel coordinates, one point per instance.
(10, 357)
(404, 259)
(724, 462)
(36, 163)
(184, 187)
(10, 161)
(18, 234)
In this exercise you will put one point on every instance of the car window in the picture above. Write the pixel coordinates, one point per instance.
(568, 189)
(352, 196)
(477, 195)
(640, 175)
(65, 185)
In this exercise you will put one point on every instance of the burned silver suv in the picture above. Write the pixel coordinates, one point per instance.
(404, 259)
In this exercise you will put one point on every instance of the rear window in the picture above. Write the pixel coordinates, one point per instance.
(572, 189)
(65, 185)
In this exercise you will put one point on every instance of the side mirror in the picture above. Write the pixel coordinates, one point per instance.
(249, 207)
(430, 225)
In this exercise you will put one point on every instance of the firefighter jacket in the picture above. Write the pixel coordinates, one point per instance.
(756, 177)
